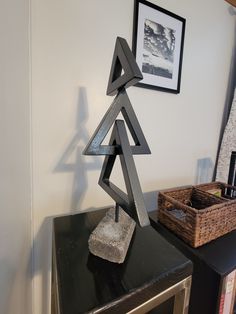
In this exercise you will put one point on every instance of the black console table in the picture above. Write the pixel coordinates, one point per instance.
(212, 263)
(155, 277)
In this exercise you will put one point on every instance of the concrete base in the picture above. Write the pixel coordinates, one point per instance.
(110, 240)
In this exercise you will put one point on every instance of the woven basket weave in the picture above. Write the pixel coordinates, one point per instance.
(195, 215)
(227, 191)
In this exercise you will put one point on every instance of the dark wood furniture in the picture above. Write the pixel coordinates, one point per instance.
(153, 272)
(212, 262)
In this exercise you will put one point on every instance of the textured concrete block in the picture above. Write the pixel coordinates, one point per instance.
(110, 240)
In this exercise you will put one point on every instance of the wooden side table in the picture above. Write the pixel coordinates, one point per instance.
(155, 277)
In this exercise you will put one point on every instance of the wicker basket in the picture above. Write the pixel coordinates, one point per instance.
(225, 190)
(195, 215)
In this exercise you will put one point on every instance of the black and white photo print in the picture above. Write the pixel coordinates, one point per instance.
(158, 40)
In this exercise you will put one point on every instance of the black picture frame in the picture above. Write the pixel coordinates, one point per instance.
(158, 43)
(232, 170)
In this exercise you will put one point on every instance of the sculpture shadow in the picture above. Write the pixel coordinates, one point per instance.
(81, 164)
(72, 161)
(204, 171)
(150, 199)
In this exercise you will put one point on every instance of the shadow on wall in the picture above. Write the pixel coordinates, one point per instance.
(150, 199)
(204, 171)
(42, 244)
(80, 165)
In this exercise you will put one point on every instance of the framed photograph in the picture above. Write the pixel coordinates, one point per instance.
(158, 41)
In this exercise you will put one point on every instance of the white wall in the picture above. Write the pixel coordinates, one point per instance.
(72, 47)
(15, 204)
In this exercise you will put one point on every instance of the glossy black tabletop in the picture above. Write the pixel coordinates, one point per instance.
(86, 282)
(219, 254)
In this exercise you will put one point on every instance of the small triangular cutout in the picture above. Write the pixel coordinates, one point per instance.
(132, 202)
(120, 104)
(116, 176)
(118, 70)
(124, 69)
